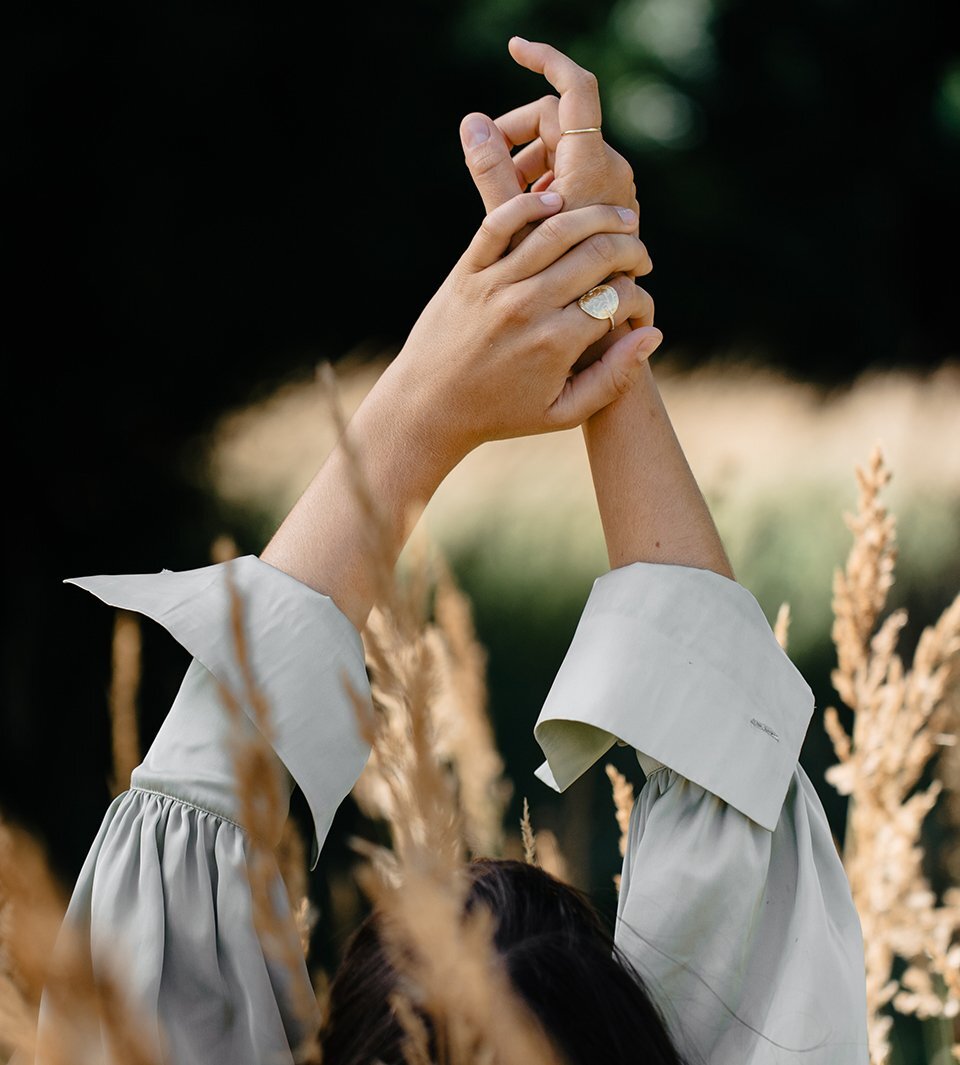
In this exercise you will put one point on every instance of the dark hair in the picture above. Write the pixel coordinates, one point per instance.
(561, 960)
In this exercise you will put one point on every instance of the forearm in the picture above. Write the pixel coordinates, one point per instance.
(325, 541)
(650, 504)
(485, 360)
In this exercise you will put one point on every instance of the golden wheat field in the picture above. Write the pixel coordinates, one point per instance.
(780, 463)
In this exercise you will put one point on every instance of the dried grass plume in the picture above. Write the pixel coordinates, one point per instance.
(899, 716)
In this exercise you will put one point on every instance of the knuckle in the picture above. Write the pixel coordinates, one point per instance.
(536, 294)
(632, 251)
(480, 292)
(542, 342)
(643, 298)
(514, 308)
(485, 158)
(490, 227)
(643, 307)
(586, 80)
(621, 169)
(645, 263)
(552, 230)
(486, 296)
(601, 248)
(518, 238)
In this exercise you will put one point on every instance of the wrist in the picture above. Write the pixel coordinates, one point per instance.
(399, 417)
(627, 415)
(327, 540)
(651, 507)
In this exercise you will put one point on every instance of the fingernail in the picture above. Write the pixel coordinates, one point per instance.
(551, 199)
(522, 40)
(648, 345)
(627, 215)
(477, 131)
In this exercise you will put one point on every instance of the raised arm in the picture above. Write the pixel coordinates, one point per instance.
(490, 357)
(734, 906)
(650, 504)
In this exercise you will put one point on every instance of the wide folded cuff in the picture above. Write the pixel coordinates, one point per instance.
(299, 645)
(681, 664)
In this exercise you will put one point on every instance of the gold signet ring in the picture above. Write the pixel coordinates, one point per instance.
(601, 302)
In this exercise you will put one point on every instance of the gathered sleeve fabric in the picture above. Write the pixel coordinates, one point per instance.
(734, 906)
(163, 897)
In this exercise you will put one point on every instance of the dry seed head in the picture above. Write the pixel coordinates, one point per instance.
(528, 836)
(899, 715)
(622, 802)
(262, 813)
(781, 627)
(124, 685)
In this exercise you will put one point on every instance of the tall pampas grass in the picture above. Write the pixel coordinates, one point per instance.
(901, 717)
(462, 736)
(463, 718)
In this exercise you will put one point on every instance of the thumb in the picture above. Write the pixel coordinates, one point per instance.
(488, 159)
(606, 379)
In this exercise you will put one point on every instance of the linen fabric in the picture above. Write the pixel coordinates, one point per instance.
(734, 905)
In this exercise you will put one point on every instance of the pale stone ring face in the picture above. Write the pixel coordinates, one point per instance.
(601, 302)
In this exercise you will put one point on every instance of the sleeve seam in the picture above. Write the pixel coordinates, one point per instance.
(192, 805)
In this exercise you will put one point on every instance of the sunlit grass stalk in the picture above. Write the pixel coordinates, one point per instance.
(124, 685)
(623, 805)
(262, 812)
(899, 715)
(781, 627)
(528, 836)
(483, 791)
(461, 733)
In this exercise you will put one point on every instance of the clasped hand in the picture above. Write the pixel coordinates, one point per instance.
(493, 354)
(582, 167)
